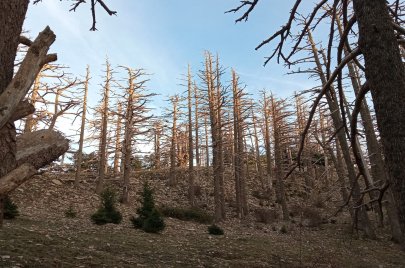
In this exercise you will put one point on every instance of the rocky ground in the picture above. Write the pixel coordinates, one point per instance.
(42, 236)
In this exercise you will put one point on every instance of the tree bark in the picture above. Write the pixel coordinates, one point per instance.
(173, 155)
(117, 149)
(338, 123)
(269, 158)
(190, 142)
(103, 138)
(82, 128)
(276, 112)
(379, 46)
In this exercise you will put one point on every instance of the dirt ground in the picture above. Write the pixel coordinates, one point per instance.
(43, 237)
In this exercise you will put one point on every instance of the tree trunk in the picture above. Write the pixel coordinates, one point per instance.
(82, 128)
(269, 160)
(257, 150)
(190, 143)
(12, 15)
(278, 148)
(207, 148)
(173, 154)
(30, 122)
(117, 150)
(239, 154)
(103, 139)
(338, 123)
(196, 127)
(379, 46)
(214, 101)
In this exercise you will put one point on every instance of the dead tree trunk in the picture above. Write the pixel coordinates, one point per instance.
(257, 149)
(117, 149)
(82, 128)
(207, 148)
(215, 104)
(239, 160)
(173, 156)
(30, 122)
(104, 125)
(338, 123)
(196, 126)
(157, 136)
(190, 141)
(269, 160)
(278, 117)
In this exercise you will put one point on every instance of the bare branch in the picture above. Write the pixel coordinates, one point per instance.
(245, 16)
(30, 67)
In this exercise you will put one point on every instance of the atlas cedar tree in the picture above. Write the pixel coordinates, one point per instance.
(14, 172)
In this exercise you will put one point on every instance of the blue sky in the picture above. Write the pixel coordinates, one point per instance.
(163, 36)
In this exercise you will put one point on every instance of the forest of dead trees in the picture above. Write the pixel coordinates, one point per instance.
(215, 125)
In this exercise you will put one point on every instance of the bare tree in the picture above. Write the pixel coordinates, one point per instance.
(215, 97)
(173, 156)
(239, 161)
(191, 175)
(377, 42)
(135, 118)
(118, 143)
(103, 129)
(279, 116)
(82, 128)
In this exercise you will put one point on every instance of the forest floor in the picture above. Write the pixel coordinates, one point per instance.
(43, 237)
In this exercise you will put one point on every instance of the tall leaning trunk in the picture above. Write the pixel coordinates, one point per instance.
(12, 15)
(341, 136)
(385, 75)
(377, 168)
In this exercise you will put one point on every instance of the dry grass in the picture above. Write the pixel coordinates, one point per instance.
(74, 243)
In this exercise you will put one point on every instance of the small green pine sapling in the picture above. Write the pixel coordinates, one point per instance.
(70, 212)
(215, 230)
(149, 218)
(107, 213)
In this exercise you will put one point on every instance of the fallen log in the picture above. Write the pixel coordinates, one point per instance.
(34, 150)
(16, 177)
(40, 148)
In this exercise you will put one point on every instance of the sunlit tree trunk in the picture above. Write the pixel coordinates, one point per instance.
(82, 128)
(117, 149)
(103, 136)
